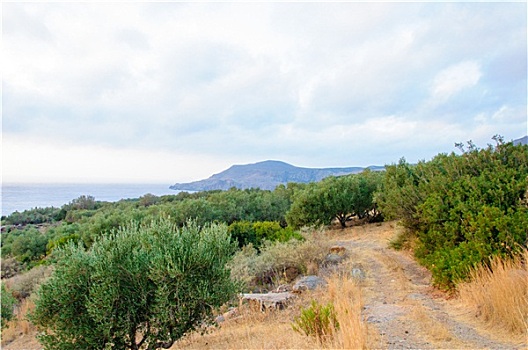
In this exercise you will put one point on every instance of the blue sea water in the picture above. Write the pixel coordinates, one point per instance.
(20, 197)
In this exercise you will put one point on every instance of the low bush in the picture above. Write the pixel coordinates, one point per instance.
(8, 304)
(319, 321)
(144, 286)
(23, 285)
(245, 232)
(277, 262)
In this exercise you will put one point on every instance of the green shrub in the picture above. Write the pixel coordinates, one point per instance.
(341, 198)
(277, 262)
(245, 232)
(143, 286)
(8, 303)
(462, 209)
(319, 321)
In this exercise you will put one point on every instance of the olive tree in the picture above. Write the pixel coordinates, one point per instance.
(341, 198)
(142, 287)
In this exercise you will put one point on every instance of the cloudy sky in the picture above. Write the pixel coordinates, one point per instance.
(174, 92)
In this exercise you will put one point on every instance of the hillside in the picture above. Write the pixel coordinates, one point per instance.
(521, 141)
(265, 175)
(399, 309)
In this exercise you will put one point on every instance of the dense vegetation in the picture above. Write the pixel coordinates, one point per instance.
(145, 284)
(340, 198)
(458, 211)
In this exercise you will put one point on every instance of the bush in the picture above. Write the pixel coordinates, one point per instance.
(245, 232)
(462, 209)
(8, 303)
(319, 321)
(23, 285)
(277, 262)
(143, 286)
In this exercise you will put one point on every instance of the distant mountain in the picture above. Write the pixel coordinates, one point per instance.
(265, 175)
(521, 141)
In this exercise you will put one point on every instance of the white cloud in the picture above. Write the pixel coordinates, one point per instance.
(312, 83)
(454, 79)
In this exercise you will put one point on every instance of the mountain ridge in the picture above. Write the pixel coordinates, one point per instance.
(265, 175)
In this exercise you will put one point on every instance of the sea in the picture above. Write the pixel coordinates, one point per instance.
(20, 197)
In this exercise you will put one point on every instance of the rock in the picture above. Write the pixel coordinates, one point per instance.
(231, 313)
(333, 259)
(308, 283)
(219, 319)
(268, 300)
(283, 288)
(358, 274)
(337, 249)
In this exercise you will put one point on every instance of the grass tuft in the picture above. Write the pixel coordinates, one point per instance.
(498, 293)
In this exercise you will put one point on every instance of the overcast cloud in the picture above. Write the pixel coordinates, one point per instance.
(172, 92)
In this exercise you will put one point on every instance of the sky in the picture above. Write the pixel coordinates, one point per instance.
(166, 92)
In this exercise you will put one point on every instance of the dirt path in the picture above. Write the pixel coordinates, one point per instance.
(401, 304)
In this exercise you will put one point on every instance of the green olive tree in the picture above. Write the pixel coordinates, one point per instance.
(142, 287)
(341, 198)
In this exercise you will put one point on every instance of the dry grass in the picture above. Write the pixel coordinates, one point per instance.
(434, 330)
(19, 326)
(253, 329)
(499, 294)
(273, 329)
(345, 294)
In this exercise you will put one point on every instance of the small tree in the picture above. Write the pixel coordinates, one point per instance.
(8, 303)
(142, 287)
(341, 198)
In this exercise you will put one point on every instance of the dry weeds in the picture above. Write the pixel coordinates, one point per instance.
(498, 294)
(19, 326)
(346, 296)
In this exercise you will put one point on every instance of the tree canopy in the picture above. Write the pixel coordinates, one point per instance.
(144, 286)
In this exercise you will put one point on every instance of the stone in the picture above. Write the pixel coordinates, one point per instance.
(308, 283)
(337, 249)
(358, 274)
(283, 288)
(219, 319)
(231, 313)
(268, 300)
(333, 259)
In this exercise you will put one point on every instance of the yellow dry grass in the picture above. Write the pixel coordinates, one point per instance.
(254, 329)
(346, 296)
(19, 325)
(434, 330)
(499, 294)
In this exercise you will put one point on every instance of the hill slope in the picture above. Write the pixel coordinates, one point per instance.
(265, 175)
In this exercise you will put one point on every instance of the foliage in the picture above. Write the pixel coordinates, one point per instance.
(319, 321)
(245, 232)
(26, 245)
(462, 208)
(33, 216)
(10, 267)
(342, 198)
(277, 262)
(144, 285)
(8, 303)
